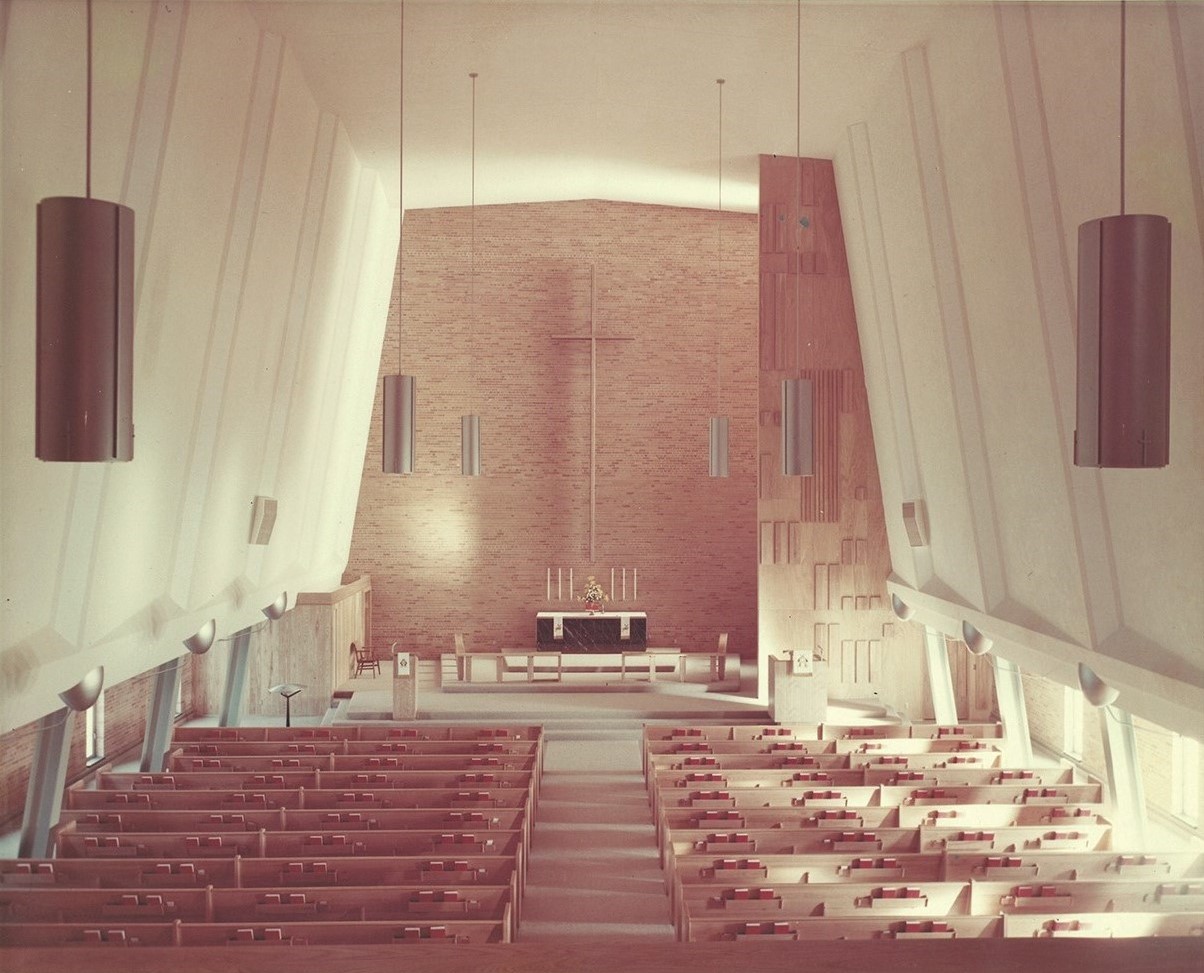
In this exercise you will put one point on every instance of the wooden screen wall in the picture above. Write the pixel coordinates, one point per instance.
(823, 556)
(309, 645)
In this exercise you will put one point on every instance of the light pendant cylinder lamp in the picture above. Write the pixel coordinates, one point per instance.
(718, 423)
(399, 405)
(1124, 332)
(470, 425)
(798, 442)
(85, 321)
(397, 427)
(798, 414)
(470, 445)
(718, 436)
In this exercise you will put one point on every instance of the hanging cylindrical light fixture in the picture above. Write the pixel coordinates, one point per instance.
(718, 423)
(470, 425)
(798, 452)
(798, 419)
(1124, 335)
(85, 321)
(718, 438)
(397, 429)
(470, 445)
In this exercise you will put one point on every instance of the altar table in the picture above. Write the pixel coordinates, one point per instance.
(582, 631)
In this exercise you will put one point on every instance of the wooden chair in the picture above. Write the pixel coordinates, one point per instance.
(719, 660)
(365, 661)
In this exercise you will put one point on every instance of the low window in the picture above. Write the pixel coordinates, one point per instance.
(94, 729)
(1072, 725)
(1185, 778)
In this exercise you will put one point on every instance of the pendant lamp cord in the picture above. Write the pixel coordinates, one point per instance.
(88, 126)
(1122, 107)
(401, 171)
(798, 168)
(719, 330)
(472, 273)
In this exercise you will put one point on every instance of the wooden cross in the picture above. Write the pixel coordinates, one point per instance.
(593, 338)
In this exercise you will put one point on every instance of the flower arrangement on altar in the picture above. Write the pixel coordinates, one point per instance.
(593, 595)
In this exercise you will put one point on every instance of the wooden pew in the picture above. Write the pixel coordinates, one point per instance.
(800, 789)
(327, 903)
(882, 731)
(780, 745)
(159, 845)
(783, 731)
(985, 731)
(685, 820)
(1076, 794)
(967, 776)
(342, 799)
(292, 780)
(999, 815)
(96, 933)
(179, 762)
(798, 841)
(913, 900)
(250, 933)
(696, 759)
(779, 731)
(341, 748)
(1111, 895)
(433, 731)
(1108, 925)
(917, 745)
(818, 868)
(1074, 837)
(285, 844)
(420, 730)
(193, 821)
(71, 904)
(415, 932)
(947, 760)
(232, 800)
(819, 927)
(1051, 866)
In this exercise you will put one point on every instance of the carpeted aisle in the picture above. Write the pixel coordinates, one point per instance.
(593, 871)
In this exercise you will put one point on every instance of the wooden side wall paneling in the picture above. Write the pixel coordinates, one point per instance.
(821, 492)
(973, 682)
(310, 645)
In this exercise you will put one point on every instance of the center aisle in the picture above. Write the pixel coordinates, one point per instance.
(593, 871)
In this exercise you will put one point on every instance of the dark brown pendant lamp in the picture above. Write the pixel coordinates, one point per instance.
(399, 392)
(1124, 337)
(85, 322)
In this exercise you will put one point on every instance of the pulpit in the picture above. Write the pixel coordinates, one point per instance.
(798, 693)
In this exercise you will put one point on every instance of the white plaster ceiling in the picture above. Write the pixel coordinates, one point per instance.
(592, 98)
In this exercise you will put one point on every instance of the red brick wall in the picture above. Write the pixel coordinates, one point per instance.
(448, 553)
(125, 723)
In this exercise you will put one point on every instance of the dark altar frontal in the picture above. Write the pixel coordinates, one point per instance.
(591, 631)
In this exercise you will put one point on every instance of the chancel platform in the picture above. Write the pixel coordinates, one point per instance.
(583, 631)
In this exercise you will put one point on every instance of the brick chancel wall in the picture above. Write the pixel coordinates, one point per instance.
(448, 553)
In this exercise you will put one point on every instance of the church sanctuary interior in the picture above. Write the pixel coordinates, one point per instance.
(577, 485)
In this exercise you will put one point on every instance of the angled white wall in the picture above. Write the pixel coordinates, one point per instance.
(962, 193)
(264, 261)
